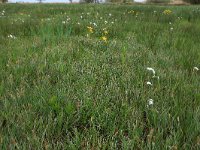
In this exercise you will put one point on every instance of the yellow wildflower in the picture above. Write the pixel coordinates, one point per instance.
(90, 29)
(167, 12)
(104, 38)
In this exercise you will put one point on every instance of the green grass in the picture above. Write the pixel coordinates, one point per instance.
(62, 87)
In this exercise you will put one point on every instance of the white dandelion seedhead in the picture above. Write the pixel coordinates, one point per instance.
(94, 24)
(64, 22)
(149, 83)
(150, 102)
(152, 70)
(196, 69)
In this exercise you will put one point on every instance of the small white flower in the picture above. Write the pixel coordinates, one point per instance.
(101, 18)
(112, 22)
(171, 29)
(63, 22)
(110, 14)
(170, 23)
(149, 83)
(196, 69)
(150, 102)
(78, 23)
(106, 22)
(152, 70)
(155, 11)
(81, 17)
(94, 24)
(11, 36)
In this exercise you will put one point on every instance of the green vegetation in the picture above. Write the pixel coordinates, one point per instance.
(193, 1)
(76, 77)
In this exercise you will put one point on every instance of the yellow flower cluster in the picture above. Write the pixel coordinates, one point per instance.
(167, 12)
(90, 29)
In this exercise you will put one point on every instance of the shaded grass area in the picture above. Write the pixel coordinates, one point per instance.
(62, 87)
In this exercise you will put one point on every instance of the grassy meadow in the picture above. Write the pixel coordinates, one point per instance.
(99, 76)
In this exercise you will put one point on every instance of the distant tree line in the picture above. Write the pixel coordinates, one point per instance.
(193, 1)
(3, 1)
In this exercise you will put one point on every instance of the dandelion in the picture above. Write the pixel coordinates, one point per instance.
(167, 12)
(196, 69)
(104, 38)
(152, 70)
(149, 83)
(150, 102)
(90, 29)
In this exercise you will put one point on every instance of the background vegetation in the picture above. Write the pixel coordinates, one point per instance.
(75, 77)
(193, 1)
